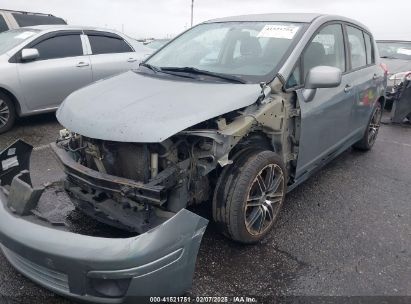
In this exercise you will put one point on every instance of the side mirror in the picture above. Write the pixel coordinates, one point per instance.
(29, 54)
(321, 77)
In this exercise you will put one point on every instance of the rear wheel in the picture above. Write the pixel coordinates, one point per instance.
(7, 113)
(370, 136)
(249, 195)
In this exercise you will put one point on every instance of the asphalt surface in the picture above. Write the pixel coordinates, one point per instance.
(344, 232)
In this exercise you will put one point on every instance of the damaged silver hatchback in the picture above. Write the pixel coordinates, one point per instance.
(234, 113)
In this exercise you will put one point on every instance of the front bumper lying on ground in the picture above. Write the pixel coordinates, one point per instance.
(159, 262)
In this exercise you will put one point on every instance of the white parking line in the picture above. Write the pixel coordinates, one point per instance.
(42, 147)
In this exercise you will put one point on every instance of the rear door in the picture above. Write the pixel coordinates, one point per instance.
(367, 77)
(61, 69)
(325, 121)
(110, 54)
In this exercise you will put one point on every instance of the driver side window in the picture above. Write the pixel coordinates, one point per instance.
(326, 48)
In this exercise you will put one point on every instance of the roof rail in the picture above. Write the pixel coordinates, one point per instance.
(24, 12)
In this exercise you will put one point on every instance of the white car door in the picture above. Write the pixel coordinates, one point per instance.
(61, 69)
(110, 54)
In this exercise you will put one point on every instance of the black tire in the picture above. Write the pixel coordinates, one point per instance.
(241, 209)
(371, 132)
(7, 113)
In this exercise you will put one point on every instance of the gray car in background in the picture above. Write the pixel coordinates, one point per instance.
(396, 55)
(42, 65)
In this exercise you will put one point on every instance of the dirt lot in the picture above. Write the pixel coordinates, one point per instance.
(345, 232)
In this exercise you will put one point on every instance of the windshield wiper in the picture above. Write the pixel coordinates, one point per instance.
(151, 67)
(196, 71)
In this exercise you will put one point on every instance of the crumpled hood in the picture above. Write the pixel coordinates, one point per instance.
(132, 107)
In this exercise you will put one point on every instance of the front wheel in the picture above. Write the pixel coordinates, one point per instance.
(250, 196)
(7, 113)
(370, 135)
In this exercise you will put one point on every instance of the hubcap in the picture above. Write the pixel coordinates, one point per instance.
(264, 199)
(4, 113)
(374, 126)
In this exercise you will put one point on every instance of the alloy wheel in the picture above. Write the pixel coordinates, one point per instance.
(264, 199)
(4, 113)
(374, 126)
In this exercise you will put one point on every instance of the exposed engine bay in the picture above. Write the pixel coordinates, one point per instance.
(137, 186)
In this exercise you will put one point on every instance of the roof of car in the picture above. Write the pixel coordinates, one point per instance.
(394, 41)
(298, 17)
(289, 17)
(56, 27)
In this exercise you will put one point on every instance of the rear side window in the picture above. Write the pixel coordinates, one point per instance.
(369, 48)
(3, 24)
(327, 48)
(108, 45)
(30, 20)
(357, 47)
(60, 47)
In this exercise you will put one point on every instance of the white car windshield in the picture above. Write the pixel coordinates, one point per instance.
(13, 38)
(395, 50)
(248, 50)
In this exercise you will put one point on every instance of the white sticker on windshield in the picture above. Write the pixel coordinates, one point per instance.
(278, 31)
(25, 35)
(9, 163)
(404, 51)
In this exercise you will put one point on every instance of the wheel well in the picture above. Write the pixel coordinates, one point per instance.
(381, 100)
(13, 98)
(258, 139)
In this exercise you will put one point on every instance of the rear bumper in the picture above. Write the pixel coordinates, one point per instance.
(159, 262)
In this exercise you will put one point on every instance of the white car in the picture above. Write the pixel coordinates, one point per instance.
(42, 65)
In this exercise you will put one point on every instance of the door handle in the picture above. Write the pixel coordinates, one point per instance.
(131, 60)
(347, 88)
(82, 64)
(375, 77)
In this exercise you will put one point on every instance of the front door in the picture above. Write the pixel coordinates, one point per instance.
(325, 121)
(60, 70)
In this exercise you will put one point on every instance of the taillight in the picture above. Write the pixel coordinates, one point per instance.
(385, 68)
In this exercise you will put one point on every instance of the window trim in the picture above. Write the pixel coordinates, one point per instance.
(351, 70)
(88, 33)
(16, 58)
(372, 48)
(300, 60)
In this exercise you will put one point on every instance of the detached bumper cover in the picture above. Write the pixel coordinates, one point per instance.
(159, 262)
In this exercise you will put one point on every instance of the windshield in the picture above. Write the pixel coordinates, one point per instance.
(13, 38)
(248, 50)
(395, 50)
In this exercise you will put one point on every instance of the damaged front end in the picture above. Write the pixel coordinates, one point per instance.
(132, 186)
(159, 261)
(137, 186)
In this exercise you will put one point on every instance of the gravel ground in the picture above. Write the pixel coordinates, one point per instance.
(344, 232)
